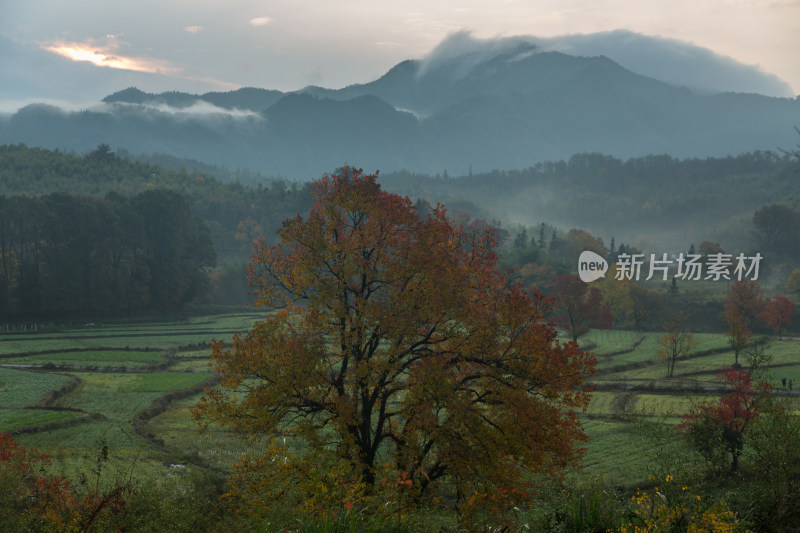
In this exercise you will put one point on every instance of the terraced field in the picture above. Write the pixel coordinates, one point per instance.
(72, 392)
(631, 384)
(131, 387)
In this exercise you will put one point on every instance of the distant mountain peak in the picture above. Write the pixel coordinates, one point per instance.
(459, 72)
(130, 95)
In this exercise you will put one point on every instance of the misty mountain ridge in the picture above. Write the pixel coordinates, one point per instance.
(525, 69)
(428, 85)
(502, 104)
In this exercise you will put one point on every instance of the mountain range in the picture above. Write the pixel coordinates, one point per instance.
(517, 106)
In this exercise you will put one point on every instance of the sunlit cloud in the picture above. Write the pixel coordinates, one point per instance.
(106, 56)
(193, 29)
(260, 21)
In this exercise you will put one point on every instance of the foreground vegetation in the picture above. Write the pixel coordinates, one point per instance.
(131, 428)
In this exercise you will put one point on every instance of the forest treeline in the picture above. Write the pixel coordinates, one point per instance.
(596, 172)
(675, 199)
(223, 206)
(80, 256)
(600, 193)
(596, 192)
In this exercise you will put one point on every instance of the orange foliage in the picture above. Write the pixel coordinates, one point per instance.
(48, 503)
(399, 357)
(778, 313)
(743, 305)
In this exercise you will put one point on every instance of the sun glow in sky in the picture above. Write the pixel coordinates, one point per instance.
(87, 52)
(212, 45)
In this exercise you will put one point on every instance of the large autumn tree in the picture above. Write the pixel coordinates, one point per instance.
(395, 353)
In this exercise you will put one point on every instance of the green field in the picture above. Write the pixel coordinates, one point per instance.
(13, 419)
(106, 377)
(21, 389)
(90, 358)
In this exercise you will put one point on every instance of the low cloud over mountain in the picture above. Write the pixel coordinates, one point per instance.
(672, 61)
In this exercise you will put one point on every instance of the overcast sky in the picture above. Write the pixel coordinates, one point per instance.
(81, 50)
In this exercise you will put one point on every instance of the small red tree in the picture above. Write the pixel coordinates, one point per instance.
(722, 425)
(742, 308)
(777, 314)
(676, 343)
(739, 334)
(746, 298)
(579, 307)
